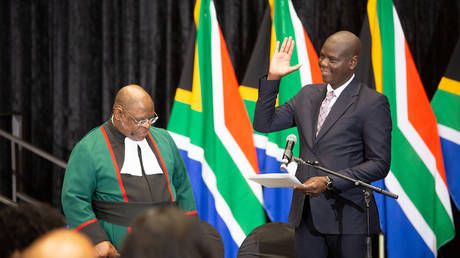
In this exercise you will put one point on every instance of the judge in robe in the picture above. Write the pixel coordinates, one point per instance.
(120, 169)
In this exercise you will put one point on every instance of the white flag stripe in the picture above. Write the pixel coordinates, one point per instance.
(271, 149)
(449, 134)
(304, 71)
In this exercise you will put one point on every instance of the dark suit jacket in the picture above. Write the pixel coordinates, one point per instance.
(355, 141)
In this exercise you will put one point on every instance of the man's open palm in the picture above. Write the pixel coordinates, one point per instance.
(280, 63)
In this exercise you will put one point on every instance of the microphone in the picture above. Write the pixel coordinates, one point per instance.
(287, 155)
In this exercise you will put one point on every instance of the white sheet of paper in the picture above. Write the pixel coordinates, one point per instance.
(276, 180)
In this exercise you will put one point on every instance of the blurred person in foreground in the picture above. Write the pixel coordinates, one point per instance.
(120, 169)
(23, 224)
(165, 232)
(61, 243)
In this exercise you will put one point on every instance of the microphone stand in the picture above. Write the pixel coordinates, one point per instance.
(366, 192)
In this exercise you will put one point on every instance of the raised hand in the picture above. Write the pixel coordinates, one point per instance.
(280, 65)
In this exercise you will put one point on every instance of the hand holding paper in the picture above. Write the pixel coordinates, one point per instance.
(276, 180)
(313, 186)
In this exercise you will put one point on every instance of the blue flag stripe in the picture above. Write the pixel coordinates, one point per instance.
(408, 244)
(277, 200)
(451, 154)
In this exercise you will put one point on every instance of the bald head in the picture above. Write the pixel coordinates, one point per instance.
(133, 104)
(339, 57)
(61, 243)
(346, 40)
(132, 95)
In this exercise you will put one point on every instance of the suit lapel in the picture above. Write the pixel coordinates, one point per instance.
(345, 100)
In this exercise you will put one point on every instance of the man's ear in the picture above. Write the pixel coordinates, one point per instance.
(116, 113)
(354, 62)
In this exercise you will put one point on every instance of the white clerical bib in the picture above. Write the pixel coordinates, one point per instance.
(132, 164)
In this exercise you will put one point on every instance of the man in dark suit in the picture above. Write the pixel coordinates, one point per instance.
(346, 127)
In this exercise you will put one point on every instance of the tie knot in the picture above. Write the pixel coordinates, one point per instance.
(330, 94)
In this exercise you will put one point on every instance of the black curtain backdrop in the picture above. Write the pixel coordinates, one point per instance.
(62, 61)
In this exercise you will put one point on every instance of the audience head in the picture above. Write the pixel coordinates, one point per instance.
(61, 243)
(165, 232)
(21, 225)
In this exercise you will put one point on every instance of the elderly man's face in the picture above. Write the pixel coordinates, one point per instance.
(131, 118)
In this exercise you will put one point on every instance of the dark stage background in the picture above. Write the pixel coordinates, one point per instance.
(62, 61)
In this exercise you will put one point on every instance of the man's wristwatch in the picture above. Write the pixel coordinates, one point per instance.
(329, 183)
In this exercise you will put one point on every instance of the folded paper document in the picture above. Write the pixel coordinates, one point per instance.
(284, 180)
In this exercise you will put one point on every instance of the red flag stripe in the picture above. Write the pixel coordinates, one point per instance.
(236, 118)
(313, 59)
(421, 115)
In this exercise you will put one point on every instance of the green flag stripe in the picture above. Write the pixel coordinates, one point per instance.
(290, 84)
(385, 18)
(250, 107)
(179, 113)
(442, 103)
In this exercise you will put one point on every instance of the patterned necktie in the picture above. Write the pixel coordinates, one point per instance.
(323, 111)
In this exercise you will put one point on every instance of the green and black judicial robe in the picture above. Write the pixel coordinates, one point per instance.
(93, 182)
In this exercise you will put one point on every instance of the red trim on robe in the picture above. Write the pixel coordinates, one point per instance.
(162, 164)
(191, 212)
(115, 164)
(85, 224)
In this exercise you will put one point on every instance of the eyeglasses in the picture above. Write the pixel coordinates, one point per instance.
(142, 122)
